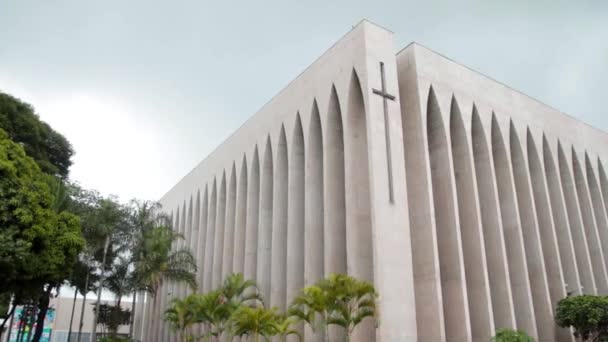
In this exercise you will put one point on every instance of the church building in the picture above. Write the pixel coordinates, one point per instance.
(469, 205)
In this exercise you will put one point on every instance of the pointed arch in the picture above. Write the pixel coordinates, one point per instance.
(359, 248)
(188, 241)
(266, 218)
(295, 217)
(241, 220)
(546, 226)
(358, 234)
(520, 283)
(590, 225)
(194, 237)
(334, 229)
(279, 225)
(227, 258)
(202, 237)
(597, 205)
(541, 297)
(451, 263)
(576, 224)
(502, 301)
(220, 222)
(567, 252)
(210, 238)
(314, 183)
(425, 252)
(253, 208)
(474, 254)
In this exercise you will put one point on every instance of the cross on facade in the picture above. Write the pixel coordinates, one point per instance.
(389, 161)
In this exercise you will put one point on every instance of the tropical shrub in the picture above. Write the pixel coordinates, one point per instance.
(510, 335)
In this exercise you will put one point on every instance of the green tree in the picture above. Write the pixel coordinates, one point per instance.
(586, 314)
(337, 300)
(182, 315)
(256, 322)
(40, 241)
(51, 150)
(312, 306)
(510, 335)
(155, 262)
(209, 310)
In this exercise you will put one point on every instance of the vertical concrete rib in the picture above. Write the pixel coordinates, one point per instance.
(518, 269)
(546, 228)
(227, 258)
(279, 225)
(240, 235)
(314, 207)
(566, 250)
(202, 238)
(265, 227)
(427, 279)
(253, 209)
(196, 227)
(603, 183)
(583, 255)
(334, 225)
(498, 267)
(474, 254)
(598, 206)
(451, 263)
(295, 217)
(187, 242)
(220, 221)
(534, 251)
(314, 242)
(591, 232)
(210, 238)
(358, 216)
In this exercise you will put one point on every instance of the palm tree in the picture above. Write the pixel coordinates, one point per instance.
(181, 315)
(312, 307)
(337, 300)
(350, 301)
(259, 322)
(211, 311)
(155, 262)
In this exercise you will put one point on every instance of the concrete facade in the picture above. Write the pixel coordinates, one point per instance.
(480, 209)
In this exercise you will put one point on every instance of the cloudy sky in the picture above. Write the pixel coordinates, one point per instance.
(145, 89)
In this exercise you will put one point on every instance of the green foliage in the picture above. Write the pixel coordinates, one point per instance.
(337, 300)
(586, 314)
(38, 244)
(113, 316)
(510, 335)
(259, 322)
(51, 151)
(155, 261)
(182, 315)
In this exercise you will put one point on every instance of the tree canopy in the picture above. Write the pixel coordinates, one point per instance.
(38, 244)
(586, 314)
(51, 150)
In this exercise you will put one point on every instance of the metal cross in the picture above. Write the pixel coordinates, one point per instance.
(389, 161)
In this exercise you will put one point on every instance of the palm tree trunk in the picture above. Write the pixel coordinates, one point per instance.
(84, 300)
(101, 280)
(72, 315)
(132, 318)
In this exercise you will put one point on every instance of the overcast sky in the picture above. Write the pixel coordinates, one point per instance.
(144, 90)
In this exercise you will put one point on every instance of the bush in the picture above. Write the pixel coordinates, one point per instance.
(586, 314)
(510, 335)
